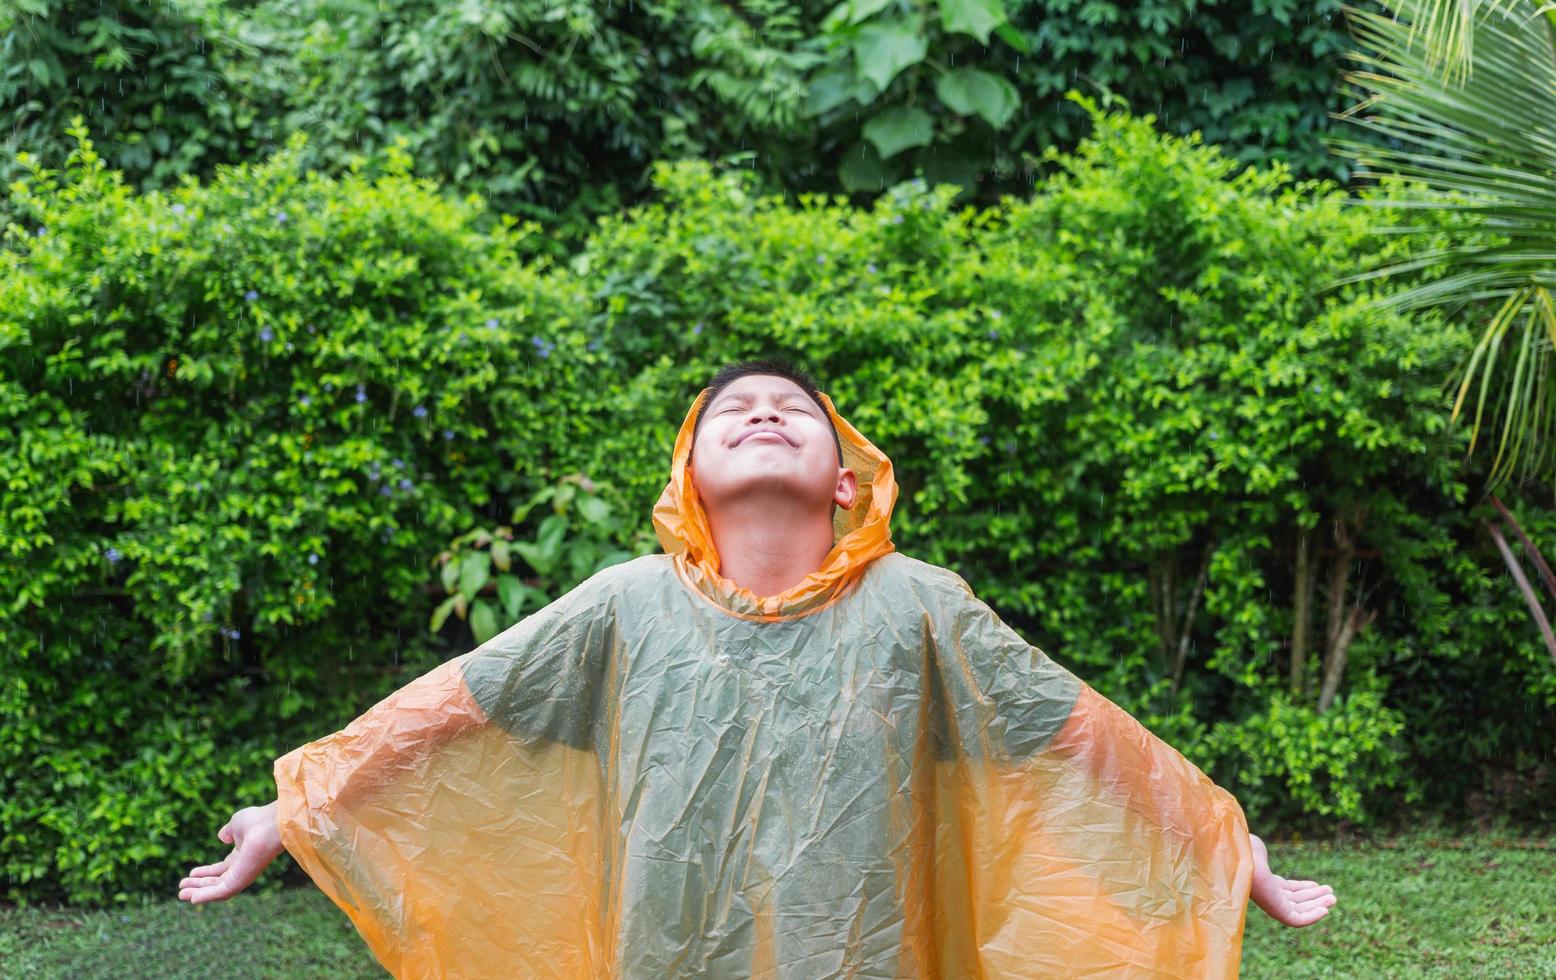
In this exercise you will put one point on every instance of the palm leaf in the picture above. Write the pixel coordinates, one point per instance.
(1484, 144)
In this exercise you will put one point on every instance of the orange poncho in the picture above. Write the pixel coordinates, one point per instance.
(661, 774)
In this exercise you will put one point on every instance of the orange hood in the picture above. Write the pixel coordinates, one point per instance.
(861, 534)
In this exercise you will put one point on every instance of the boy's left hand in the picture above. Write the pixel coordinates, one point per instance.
(1295, 903)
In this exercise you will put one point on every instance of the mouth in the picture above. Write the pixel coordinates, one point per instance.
(761, 433)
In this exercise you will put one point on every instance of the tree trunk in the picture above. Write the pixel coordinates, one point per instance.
(1343, 626)
(1334, 663)
(1339, 579)
(1302, 610)
(1188, 617)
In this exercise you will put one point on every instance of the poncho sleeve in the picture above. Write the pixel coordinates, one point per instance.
(1070, 840)
(465, 803)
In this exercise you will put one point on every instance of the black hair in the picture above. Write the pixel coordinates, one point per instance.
(767, 365)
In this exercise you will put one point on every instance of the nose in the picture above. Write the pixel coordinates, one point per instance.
(763, 416)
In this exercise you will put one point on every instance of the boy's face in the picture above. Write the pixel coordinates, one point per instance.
(763, 438)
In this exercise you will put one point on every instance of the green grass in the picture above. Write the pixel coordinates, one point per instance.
(1419, 905)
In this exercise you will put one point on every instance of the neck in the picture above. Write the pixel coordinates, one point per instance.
(769, 549)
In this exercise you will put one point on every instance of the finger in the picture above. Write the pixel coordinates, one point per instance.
(1304, 894)
(214, 892)
(1309, 916)
(212, 869)
(225, 834)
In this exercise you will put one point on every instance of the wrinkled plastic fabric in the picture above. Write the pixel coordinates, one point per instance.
(661, 774)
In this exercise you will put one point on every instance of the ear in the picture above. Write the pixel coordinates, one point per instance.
(847, 488)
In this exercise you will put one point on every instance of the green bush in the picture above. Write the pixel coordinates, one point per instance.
(554, 111)
(250, 415)
(246, 417)
(577, 536)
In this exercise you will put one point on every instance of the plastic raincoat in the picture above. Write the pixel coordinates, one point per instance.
(870, 775)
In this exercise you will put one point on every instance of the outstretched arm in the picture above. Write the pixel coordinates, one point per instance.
(426, 713)
(1124, 758)
(255, 840)
(1292, 903)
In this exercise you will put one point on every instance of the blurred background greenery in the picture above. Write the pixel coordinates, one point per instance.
(335, 337)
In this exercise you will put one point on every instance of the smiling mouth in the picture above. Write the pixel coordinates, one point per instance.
(780, 437)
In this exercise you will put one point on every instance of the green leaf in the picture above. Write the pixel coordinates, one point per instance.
(450, 574)
(502, 555)
(552, 530)
(483, 621)
(883, 49)
(1013, 37)
(534, 556)
(837, 86)
(594, 510)
(440, 615)
(899, 128)
(862, 169)
(474, 572)
(510, 592)
(851, 12)
(970, 91)
(975, 17)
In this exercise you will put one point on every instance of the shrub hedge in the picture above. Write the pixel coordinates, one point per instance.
(243, 420)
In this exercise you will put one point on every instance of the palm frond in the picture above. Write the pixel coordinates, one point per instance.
(1484, 143)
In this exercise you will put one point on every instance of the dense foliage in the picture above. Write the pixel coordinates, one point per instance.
(554, 111)
(249, 417)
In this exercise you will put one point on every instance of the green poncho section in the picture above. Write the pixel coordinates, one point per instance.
(634, 782)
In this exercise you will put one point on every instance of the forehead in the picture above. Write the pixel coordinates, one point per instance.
(758, 386)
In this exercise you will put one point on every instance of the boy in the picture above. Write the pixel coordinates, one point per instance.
(780, 749)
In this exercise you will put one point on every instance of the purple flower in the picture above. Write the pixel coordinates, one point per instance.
(251, 296)
(1318, 389)
(280, 217)
(821, 260)
(491, 324)
(594, 344)
(996, 314)
(405, 483)
(113, 555)
(984, 440)
(897, 220)
(206, 617)
(871, 267)
(448, 433)
(42, 231)
(313, 559)
(1214, 434)
(543, 346)
(266, 334)
(361, 394)
(384, 490)
(177, 208)
(398, 463)
(329, 386)
(234, 634)
(289, 345)
(994, 335)
(698, 328)
(420, 411)
(305, 401)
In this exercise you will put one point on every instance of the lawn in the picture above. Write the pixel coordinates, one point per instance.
(1419, 905)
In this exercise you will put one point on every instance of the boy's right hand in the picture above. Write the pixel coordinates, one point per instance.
(256, 841)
